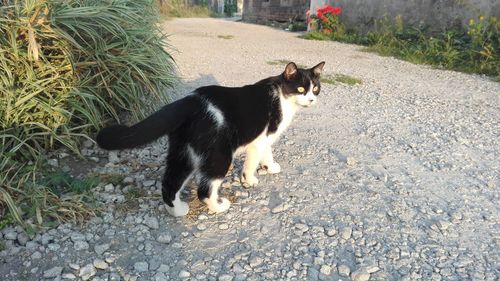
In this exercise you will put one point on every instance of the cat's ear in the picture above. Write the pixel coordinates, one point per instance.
(318, 69)
(290, 71)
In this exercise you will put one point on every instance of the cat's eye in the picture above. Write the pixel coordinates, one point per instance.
(301, 89)
(315, 89)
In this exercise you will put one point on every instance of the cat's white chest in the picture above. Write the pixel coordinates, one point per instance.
(288, 109)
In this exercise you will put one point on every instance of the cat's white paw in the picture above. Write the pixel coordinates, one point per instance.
(273, 168)
(218, 207)
(249, 179)
(180, 209)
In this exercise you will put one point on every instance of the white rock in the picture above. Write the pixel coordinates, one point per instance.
(346, 233)
(113, 157)
(326, 269)
(141, 266)
(69, 276)
(151, 222)
(87, 272)
(184, 274)
(101, 248)
(109, 188)
(223, 226)
(225, 277)
(344, 270)
(81, 245)
(53, 272)
(160, 276)
(255, 261)
(360, 275)
(100, 264)
(164, 238)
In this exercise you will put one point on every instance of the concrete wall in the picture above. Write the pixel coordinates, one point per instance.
(275, 10)
(437, 14)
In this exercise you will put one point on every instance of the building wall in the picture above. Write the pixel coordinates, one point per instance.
(274, 10)
(437, 14)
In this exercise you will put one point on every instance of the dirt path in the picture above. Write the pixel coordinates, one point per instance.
(393, 179)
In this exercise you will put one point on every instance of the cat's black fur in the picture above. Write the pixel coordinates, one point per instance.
(206, 128)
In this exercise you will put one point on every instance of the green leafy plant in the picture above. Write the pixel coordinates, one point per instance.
(339, 78)
(66, 67)
(474, 48)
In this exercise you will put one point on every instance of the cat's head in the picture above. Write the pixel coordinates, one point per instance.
(301, 86)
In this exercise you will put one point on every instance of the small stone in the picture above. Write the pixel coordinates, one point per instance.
(345, 233)
(74, 266)
(201, 227)
(351, 161)
(331, 231)
(160, 276)
(151, 222)
(87, 271)
(36, 255)
(53, 272)
(11, 235)
(184, 274)
(53, 162)
(326, 269)
(164, 238)
(148, 183)
(280, 208)
(100, 249)
(69, 276)
(223, 226)
(344, 270)
(76, 236)
(22, 238)
(113, 157)
(164, 268)
(81, 245)
(444, 225)
(255, 261)
(109, 188)
(141, 266)
(372, 269)
(225, 277)
(302, 227)
(100, 264)
(360, 275)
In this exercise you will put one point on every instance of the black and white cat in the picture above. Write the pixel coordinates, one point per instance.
(206, 128)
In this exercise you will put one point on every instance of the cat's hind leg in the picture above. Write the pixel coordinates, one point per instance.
(177, 174)
(212, 171)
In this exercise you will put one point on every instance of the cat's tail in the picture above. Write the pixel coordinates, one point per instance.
(162, 122)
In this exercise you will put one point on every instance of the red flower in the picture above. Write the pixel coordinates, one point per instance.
(337, 10)
(327, 30)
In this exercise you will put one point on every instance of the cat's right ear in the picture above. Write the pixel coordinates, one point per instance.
(290, 71)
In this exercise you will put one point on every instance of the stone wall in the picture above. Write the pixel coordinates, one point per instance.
(436, 14)
(274, 10)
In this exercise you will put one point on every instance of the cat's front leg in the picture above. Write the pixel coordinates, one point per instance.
(254, 154)
(268, 161)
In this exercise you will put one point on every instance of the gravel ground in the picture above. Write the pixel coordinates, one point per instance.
(393, 179)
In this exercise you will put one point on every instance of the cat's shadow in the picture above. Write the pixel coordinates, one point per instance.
(186, 87)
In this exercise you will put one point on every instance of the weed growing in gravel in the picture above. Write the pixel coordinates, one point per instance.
(340, 78)
(225, 36)
(114, 179)
(284, 62)
(183, 9)
(474, 48)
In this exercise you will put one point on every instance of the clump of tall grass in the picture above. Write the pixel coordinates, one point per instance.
(65, 68)
(474, 48)
(184, 9)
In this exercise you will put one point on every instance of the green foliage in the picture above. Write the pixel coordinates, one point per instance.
(183, 9)
(339, 78)
(474, 49)
(114, 179)
(230, 7)
(65, 68)
(225, 36)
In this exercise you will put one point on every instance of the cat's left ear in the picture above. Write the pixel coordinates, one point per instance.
(318, 69)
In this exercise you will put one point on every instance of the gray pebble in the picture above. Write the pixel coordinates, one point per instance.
(141, 266)
(53, 272)
(87, 272)
(344, 270)
(164, 238)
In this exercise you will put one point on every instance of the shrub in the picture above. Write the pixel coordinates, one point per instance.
(65, 68)
(473, 48)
